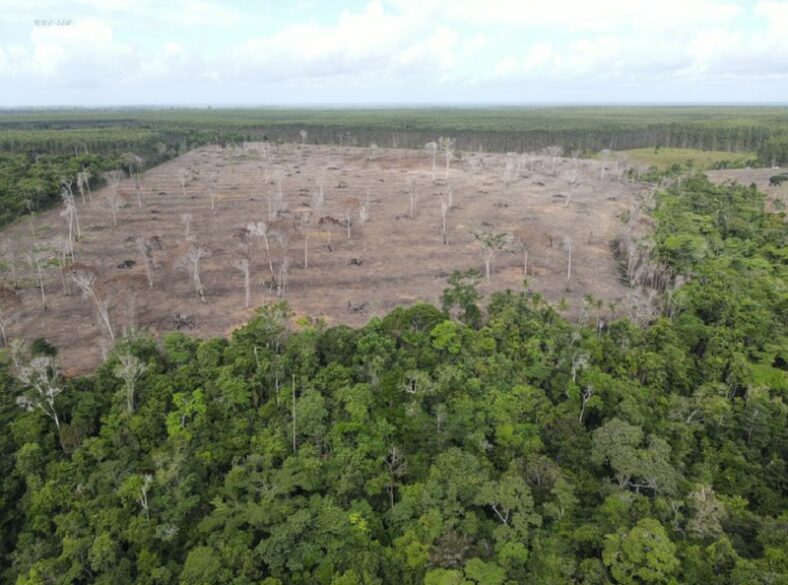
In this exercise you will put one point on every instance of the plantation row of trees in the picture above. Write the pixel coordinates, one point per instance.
(460, 445)
(492, 129)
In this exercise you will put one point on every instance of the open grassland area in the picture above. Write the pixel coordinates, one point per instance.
(560, 210)
(664, 158)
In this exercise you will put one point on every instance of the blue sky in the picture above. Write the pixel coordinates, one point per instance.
(122, 52)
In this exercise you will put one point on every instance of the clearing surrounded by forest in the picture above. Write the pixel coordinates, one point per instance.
(341, 233)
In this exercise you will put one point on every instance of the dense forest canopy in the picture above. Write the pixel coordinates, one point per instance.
(484, 128)
(478, 445)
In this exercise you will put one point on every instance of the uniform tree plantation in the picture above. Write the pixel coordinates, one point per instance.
(487, 439)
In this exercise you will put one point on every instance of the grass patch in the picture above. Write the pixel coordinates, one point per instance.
(664, 158)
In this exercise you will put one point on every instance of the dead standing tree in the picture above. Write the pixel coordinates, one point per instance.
(281, 232)
(363, 218)
(492, 243)
(350, 205)
(568, 247)
(70, 211)
(186, 220)
(318, 198)
(521, 241)
(412, 195)
(85, 279)
(553, 153)
(137, 178)
(113, 197)
(191, 263)
(213, 194)
(447, 146)
(10, 256)
(573, 180)
(63, 250)
(36, 258)
(42, 377)
(134, 164)
(302, 215)
(276, 198)
(242, 264)
(146, 249)
(509, 169)
(444, 213)
(129, 369)
(259, 231)
(183, 179)
(432, 148)
(83, 184)
(9, 307)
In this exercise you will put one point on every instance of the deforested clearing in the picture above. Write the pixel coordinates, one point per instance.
(343, 234)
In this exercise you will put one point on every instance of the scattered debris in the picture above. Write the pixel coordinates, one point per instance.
(184, 321)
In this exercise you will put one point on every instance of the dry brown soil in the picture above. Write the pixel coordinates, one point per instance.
(392, 260)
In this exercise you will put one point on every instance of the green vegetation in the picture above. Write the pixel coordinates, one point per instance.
(733, 129)
(431, 446)
(664, 158)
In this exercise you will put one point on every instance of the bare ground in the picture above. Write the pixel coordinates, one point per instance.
(392, 260)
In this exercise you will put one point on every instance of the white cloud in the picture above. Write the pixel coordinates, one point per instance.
(579, 15)
(405, 49)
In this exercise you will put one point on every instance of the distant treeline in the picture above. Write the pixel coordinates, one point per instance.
(499, 129)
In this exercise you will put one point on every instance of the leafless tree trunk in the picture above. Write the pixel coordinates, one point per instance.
(260, 230)
(363, 218)
(83, 184)
(138, 188)
(318, 198)
(568, 245)
(63, 251)
(432, 148)
(492, 242)
(35, 258)
(129, 369)
(186, 220)
(350, 205)
(396, 467)
(508, 169)
(9, 305)
(191, 263)
(43, 377)
(521, 241)
(588, 393)
(412, 197)
(447, 146)
(113, 198)
(146, 250)
(554, 153)
(86, 282)
(10, 255)
(70, 205)
(444, 213)
(294, 413)
(242, 264)
(183, 178)
(281, 281)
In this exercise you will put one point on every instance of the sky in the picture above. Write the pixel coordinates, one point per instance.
(389, 52)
